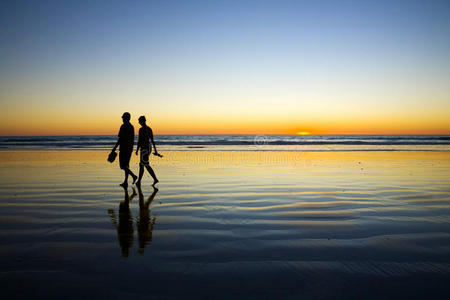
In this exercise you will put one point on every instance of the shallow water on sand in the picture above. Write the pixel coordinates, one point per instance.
(227, 223)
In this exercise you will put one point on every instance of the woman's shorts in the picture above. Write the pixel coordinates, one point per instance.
(145, 156)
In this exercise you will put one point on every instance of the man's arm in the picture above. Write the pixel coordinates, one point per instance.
(117, 144)
(118, 140)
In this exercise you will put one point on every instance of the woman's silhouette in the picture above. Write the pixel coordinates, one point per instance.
(145, 137)
(144, 222)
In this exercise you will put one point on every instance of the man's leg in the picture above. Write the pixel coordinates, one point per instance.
(124, 159)
(128, 171)
(125, 182)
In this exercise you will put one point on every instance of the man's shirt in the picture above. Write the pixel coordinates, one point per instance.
(126, 137)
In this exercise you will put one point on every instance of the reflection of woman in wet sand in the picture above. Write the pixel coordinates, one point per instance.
(144, 222)
(124, 226)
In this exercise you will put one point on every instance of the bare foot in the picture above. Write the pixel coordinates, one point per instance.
(134, 178)
(124, 184)
(155, 182)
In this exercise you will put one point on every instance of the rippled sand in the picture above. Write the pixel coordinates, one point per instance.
(227, 224)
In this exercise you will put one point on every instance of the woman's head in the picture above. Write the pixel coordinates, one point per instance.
(142, 120)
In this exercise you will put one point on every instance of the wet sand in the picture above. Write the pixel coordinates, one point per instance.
(227, 224)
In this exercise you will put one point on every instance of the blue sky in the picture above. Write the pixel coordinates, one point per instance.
(219, 60)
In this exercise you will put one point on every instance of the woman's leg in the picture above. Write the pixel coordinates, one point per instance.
(152, 173)
(141, 172)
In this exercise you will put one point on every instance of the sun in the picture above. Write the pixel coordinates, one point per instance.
(303, 133)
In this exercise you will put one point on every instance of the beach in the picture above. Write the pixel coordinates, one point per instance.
(226, 224)
(301, 150)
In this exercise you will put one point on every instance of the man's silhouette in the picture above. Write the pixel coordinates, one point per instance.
(145, 136)
(124, 224)
(125, 141)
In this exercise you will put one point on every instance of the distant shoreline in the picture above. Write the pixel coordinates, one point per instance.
(306, 143)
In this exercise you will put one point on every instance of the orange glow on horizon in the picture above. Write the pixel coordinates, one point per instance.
(194, 128)
(108, 123)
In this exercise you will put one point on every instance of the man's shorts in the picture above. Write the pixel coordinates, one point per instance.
(124, 159)
(145, 156)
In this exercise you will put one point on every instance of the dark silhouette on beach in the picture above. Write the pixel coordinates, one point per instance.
(145, 222)
(124, 225)
(125, 143)
(145, 137)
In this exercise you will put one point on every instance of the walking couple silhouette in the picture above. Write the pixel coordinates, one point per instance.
(125, 142)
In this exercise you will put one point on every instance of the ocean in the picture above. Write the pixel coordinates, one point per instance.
(240, 142)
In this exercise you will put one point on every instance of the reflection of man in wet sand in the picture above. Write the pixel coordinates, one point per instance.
(145, 223)
(124, 226)
(125, 143)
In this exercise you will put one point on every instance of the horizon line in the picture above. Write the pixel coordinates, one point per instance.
(268, 134)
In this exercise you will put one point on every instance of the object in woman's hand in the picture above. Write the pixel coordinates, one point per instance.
(112, 156)
(157, 154)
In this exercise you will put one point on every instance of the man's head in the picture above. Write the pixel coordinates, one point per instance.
(126, 117)
(142, 120)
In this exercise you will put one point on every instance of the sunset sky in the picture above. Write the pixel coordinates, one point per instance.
(206, 67)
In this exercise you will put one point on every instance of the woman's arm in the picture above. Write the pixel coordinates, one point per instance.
(139, 142)
(137, 148)
(153, 141)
